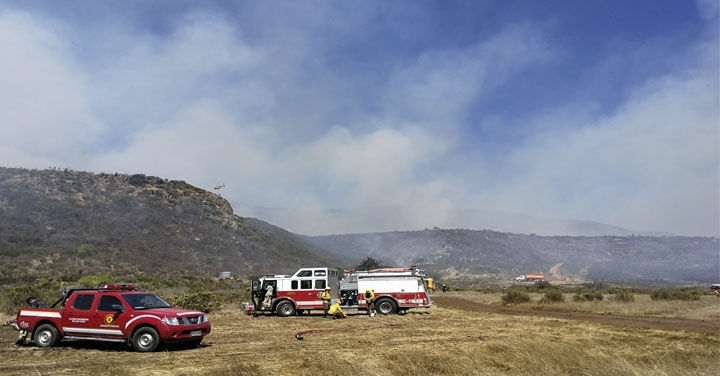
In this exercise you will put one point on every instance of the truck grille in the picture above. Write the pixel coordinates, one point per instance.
(191, 320)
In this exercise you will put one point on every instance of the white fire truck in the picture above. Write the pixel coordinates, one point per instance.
(396, 290)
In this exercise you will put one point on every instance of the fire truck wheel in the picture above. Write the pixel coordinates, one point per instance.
(146, 339)
(385, 306)
(285, 309)
(46, 335)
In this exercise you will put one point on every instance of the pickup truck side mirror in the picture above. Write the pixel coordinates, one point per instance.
(118, 307)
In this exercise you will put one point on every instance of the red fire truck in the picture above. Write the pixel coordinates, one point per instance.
(396, 290)
(113, 313)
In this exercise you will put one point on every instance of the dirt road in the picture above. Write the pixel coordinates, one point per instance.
(662, 323)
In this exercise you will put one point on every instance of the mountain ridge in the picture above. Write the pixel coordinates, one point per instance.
(491, 256)
(70, 223)
(388, 219)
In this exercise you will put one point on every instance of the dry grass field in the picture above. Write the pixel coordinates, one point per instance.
(707, 308)
(437, 341)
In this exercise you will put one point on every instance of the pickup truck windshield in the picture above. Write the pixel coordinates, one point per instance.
(145, 301)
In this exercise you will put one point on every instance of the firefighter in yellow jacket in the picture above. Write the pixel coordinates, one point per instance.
(370, 302)
(336, 312)
(326, 298)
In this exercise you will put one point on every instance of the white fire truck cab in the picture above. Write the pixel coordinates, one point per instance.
(396, 290)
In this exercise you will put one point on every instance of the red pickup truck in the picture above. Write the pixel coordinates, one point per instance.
(114, 313)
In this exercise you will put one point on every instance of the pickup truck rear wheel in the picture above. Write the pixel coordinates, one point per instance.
(146, 339)
(46, 335)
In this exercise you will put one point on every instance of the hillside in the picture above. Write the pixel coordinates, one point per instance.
(68, 224)
(319, 222)
(496, 256)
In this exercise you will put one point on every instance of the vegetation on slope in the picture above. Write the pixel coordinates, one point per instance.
(70, 224)
(466, 255)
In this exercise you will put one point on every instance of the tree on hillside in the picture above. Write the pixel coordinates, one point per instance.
(369, 263)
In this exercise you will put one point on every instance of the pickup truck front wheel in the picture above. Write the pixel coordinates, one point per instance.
(46, 335)
(146, 339)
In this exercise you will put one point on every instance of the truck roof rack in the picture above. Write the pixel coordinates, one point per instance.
(69, 290)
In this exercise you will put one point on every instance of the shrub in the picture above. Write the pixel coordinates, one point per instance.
(686, 294)
(588, 296)
(624, 296)
(677, 294)
(542, 285)
(95, 280)
(45, 289)
(515, 296)
(660, 295)
(553, 296)
(199, 301)
(138, 180)
(598, 296)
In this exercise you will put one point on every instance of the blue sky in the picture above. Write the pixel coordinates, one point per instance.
(597, 110)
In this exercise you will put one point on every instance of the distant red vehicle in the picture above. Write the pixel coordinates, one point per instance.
(715, 288)
(114, 313)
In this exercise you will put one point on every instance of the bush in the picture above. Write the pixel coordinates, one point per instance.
(553, 296)
(624, 296)
(199, 301)
(588, 296)
(515, 296)
(677, 294)
(660, 295)
(45, 289)
(95, 280)
(138, 180)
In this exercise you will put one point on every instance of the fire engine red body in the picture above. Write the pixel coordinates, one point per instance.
(396, 289)
(114, 313)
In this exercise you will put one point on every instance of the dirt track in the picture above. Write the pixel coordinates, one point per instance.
(661, 323)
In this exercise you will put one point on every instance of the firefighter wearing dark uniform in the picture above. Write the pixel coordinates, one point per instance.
(326, 298)
(370, 302)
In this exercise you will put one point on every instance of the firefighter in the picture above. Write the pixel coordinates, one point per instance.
(267, 303)
(444, 288)
(34, 303)
(336, 312)
(326, 298)
(370, 302)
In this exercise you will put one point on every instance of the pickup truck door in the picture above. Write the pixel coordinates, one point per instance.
(78, 314)
(109, 317)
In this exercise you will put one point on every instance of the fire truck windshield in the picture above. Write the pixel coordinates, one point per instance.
(145, 301)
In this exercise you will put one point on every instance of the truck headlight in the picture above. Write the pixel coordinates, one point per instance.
(171, 321)
(204, 318)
